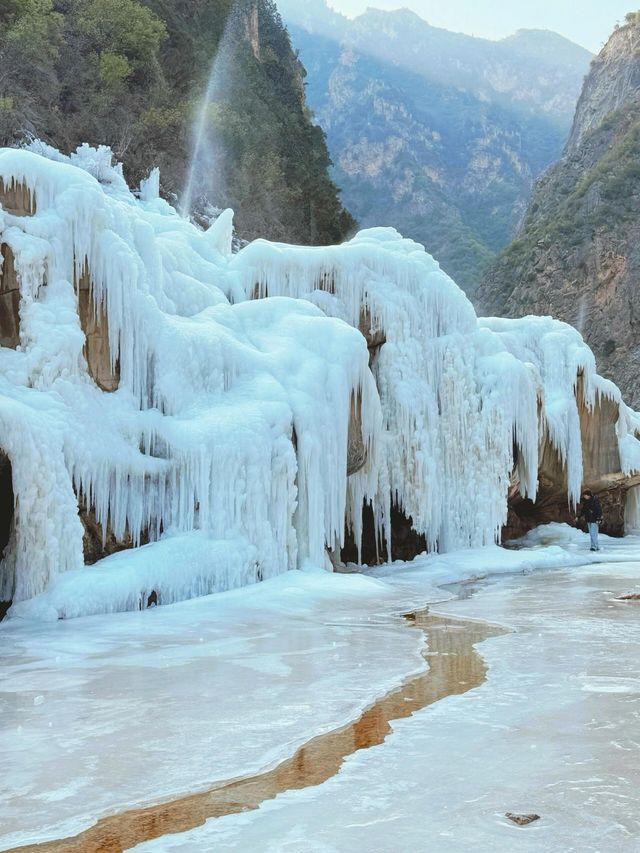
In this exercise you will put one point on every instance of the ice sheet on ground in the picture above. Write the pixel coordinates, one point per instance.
(105, 713)
(101, 713)
(555, 730)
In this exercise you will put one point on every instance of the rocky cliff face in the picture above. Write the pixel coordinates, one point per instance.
(577, 255)
(130, 74)
(439, 134)
(612, 84)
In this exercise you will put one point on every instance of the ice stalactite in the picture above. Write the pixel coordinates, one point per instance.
(452, 398)
(458, 394)
(199, 435)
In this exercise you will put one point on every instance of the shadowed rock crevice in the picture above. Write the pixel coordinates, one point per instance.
(98, 543)
(406, 543)
(7, 506)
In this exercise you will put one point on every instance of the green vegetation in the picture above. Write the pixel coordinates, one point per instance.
(582, 197)
(423, 140)
(129, 74)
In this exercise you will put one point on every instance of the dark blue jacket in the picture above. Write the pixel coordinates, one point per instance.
(591, 510)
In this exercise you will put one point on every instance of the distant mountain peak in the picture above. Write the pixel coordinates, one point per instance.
(440, 134)
(576, 256)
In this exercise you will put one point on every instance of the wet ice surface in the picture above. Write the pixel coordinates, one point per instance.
(107, 713)
(555, 730)
(101, 714)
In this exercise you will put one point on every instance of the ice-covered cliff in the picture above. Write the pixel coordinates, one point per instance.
(150, 393)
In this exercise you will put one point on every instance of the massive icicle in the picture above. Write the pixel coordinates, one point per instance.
(453, 397)
(200, 433)
(231, 412)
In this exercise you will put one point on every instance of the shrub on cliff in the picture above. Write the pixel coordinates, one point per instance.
(129, 73)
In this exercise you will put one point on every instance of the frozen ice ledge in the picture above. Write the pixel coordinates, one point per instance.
(230, 417)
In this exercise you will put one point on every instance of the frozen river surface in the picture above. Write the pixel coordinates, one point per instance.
(103, 714)
(554, 730)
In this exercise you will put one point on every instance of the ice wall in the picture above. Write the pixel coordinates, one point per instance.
(230, 419)
(469, 404)
(237, 376)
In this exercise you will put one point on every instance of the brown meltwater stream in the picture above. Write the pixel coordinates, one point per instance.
(455, 667)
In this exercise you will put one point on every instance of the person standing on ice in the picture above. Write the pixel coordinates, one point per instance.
(591, 511)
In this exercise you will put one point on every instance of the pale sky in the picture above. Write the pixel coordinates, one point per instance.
(587, 22)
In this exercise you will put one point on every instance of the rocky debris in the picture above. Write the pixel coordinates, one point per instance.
(522, 819)
(630, 596)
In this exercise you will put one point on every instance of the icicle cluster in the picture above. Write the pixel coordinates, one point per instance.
(232, 413)
(229, 419)
(458, 394)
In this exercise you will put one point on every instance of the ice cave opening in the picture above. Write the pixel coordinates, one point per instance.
(406, 542)
(7, 506)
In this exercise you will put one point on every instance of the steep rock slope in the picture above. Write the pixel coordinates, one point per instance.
(577, 255)
(130, 73)
(436, 133)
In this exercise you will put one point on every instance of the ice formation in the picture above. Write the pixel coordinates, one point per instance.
(227, 383)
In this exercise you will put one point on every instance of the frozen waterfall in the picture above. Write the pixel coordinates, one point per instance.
(202, 402)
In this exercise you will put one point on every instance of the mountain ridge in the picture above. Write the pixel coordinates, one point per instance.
(576, 255)
(439, 134)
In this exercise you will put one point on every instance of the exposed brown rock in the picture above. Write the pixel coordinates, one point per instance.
(601, 473)
(374, 336)
(357, 452)
(525, 514)
(96, 544)
(9, 300)
(612, 82)
(95, 325)
(600, 452)
(631, 596)
(17, 199)
(252, 29)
